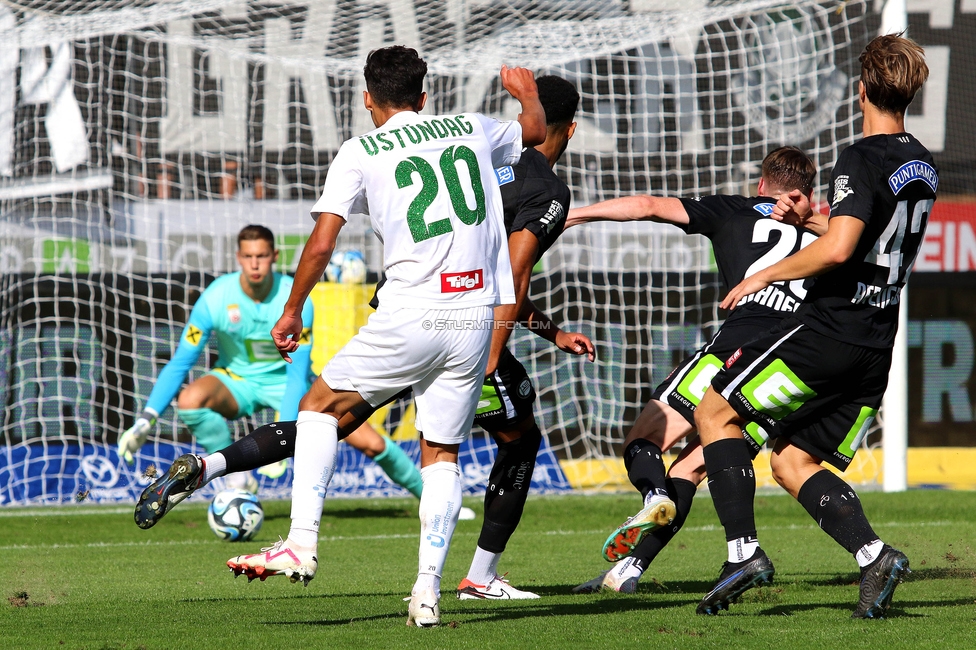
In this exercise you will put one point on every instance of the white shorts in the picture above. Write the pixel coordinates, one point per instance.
(440, 353)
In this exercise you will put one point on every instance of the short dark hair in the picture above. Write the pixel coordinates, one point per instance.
(395, 76)
(892, 70)
(253, 233)
(788, 168)
(559, 99)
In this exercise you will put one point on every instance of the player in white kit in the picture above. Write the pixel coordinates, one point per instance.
(433, 200)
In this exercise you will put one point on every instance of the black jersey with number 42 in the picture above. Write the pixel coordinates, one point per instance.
(889, 182)
(745, 240)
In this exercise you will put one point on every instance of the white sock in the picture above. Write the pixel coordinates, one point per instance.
(439, 505)
(628, 568)
(868, 553)
(214, 465)
(742, 549)
(316, 443)
(483, 565)
(493, 567)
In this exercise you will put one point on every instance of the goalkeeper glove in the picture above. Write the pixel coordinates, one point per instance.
(133, 438)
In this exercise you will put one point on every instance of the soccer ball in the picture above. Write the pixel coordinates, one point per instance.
(347, 266)
(235, 515)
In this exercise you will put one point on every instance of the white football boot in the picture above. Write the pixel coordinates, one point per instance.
(284, 558)
(496, 589)
(424, 609)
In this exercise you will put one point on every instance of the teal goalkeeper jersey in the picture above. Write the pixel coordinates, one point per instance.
(243, 330)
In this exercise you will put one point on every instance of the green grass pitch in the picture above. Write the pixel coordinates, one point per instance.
(87, 577)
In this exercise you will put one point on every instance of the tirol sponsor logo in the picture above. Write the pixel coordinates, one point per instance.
(466, 281)
(777, 391)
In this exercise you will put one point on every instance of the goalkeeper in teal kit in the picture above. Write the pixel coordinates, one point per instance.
(241, 308)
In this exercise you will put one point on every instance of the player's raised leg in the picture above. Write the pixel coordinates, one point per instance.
(684, 475)
(657, 427)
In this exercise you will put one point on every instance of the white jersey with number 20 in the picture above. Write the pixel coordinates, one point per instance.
(434, 202)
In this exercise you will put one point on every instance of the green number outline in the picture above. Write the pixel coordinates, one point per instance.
(420, 230)
(448, 165)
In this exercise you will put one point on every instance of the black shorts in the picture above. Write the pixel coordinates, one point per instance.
(821, 393)
(687, 383)
(506, 396)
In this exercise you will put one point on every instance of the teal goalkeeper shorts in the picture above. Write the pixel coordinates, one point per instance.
(252, 393)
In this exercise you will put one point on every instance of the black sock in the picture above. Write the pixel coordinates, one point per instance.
(837, 510)
(732, 483)
(682, 492)
(508, 487)
(645, 469)
(265, 445)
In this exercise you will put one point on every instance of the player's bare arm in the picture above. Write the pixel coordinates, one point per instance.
(630, 208)
(794, 208)
(523, 249)
(831, 250)
(520, 84)
(540, 323)
(315, 257)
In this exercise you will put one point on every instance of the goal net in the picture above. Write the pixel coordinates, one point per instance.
(138, 136)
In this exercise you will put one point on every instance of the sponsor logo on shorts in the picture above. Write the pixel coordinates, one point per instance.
(525, 388)
(692, 388)
(735, 357)
(466, 281)
(777, 391)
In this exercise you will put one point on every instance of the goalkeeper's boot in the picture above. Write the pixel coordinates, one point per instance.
(424, 609)
(184, 476)
(622, 578)
(497, 588)
(878, 582)
(285, 558)
(737, 578)
(658, 511)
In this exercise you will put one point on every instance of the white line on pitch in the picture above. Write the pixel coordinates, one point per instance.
(346, 538)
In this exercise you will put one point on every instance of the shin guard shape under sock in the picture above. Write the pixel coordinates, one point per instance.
(267, 444)
(732, 483)
(837, 510)
(645, 468)
(508, 487)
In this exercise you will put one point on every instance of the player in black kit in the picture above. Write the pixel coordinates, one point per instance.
(744, 239)
(815, 382)
(536, 203)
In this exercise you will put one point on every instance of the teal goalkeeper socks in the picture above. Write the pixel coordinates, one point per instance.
(208, 427)
(400, 468)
